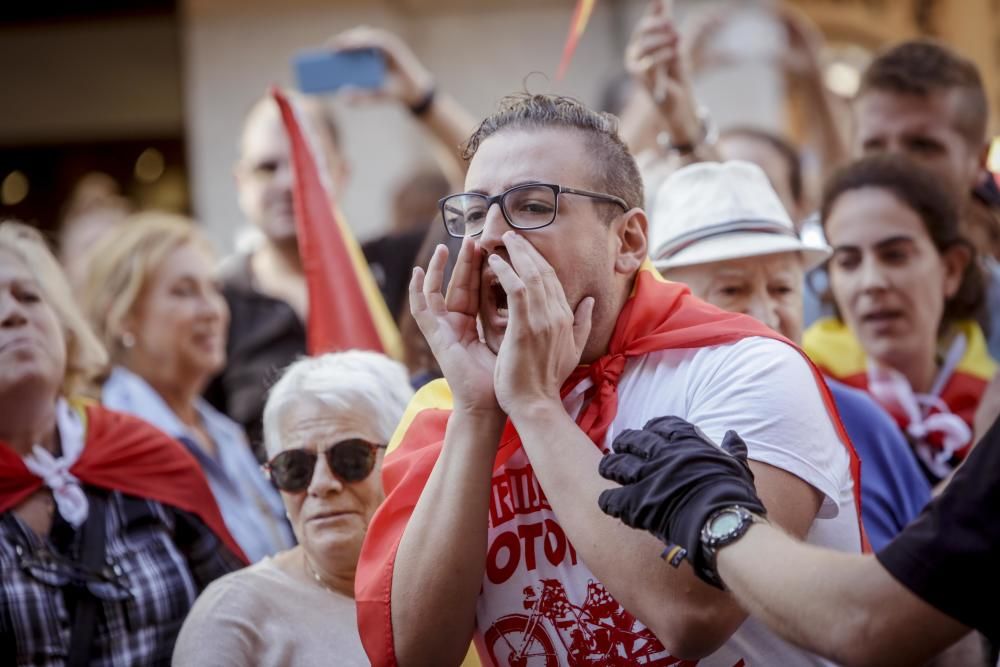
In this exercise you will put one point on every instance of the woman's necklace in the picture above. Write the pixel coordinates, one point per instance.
(314, 573)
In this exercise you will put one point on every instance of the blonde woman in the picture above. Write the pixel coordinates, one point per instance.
(108, 529)
(152, 298)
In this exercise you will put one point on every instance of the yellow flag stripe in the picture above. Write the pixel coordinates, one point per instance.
(384, 321)
(435, 395)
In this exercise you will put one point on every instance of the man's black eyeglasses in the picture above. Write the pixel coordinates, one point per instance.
(529, 206)
(350, 460)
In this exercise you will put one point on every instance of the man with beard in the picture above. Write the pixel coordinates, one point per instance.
(554, 335)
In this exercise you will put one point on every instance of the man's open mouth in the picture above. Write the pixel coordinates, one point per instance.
(499, 297)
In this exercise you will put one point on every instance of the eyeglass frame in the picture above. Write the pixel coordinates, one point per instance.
(499, 199)
(267, 467)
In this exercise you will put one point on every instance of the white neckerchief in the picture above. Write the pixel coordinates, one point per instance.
(891, 388)
(70, 499)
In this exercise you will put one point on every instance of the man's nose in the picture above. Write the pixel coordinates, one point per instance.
(493, 229)
(282, 177)
(763, 309)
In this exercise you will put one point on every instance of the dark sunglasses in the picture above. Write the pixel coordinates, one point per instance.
(350, 460)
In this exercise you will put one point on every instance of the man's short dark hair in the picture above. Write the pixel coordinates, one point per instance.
(781, 146)
(615, 170)
(922, 192)
(923, 67)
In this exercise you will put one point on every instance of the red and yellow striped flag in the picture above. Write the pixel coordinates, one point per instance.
(576, 27)
(346, 309)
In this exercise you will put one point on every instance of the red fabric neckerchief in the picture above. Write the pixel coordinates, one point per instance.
(659, 315)
(123, 453)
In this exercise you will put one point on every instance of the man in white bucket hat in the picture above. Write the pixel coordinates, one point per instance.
(711, 213)
(722, 230)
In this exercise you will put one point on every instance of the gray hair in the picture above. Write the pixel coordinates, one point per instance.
(354, 382)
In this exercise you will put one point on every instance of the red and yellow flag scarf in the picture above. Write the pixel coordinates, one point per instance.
(346, 309)
(123, 453)
(659, 315)
(834, 348)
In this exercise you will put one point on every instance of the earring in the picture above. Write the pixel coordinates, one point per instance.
(128, 340)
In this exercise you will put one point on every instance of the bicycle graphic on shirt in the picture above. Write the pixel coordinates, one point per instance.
(600, 632)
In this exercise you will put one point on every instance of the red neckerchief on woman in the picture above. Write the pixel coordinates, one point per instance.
(123, 453)
(659, 315)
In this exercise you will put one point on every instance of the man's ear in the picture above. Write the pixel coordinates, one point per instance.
(956, 259)
(630, 237)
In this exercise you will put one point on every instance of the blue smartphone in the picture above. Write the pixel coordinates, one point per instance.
(327, 71)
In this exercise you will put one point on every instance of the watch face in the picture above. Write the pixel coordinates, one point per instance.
(725, 523)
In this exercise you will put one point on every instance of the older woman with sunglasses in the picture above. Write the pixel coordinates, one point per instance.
(326, 424)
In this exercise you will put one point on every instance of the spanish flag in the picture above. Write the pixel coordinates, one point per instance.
(581, 15)
(346, 309)
(659, 315)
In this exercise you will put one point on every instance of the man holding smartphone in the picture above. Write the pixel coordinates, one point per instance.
(266, 288)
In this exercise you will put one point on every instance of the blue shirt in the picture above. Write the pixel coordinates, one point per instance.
(893, 488)
(251, 507)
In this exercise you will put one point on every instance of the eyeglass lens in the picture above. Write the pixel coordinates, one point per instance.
(528, 207)
(351, 461)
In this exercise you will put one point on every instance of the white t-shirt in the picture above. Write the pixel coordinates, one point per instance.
(539, 598)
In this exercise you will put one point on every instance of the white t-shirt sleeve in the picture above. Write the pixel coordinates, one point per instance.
(764, 390)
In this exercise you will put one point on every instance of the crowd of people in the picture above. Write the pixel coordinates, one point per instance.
(665, 403)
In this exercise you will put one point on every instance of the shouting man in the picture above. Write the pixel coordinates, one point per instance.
(554, 336)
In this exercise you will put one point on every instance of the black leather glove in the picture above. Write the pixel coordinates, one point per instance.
(673, 478)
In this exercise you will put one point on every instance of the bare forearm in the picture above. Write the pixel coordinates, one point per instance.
(843, 606)
(442, 555)
(672, 602)
(450, 125)
(820, 114)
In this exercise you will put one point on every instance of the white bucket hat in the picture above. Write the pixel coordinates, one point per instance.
(712, 212)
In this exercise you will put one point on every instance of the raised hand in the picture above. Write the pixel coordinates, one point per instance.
(654, 57)
(407, 80)
(544, 338)
(449, 325)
